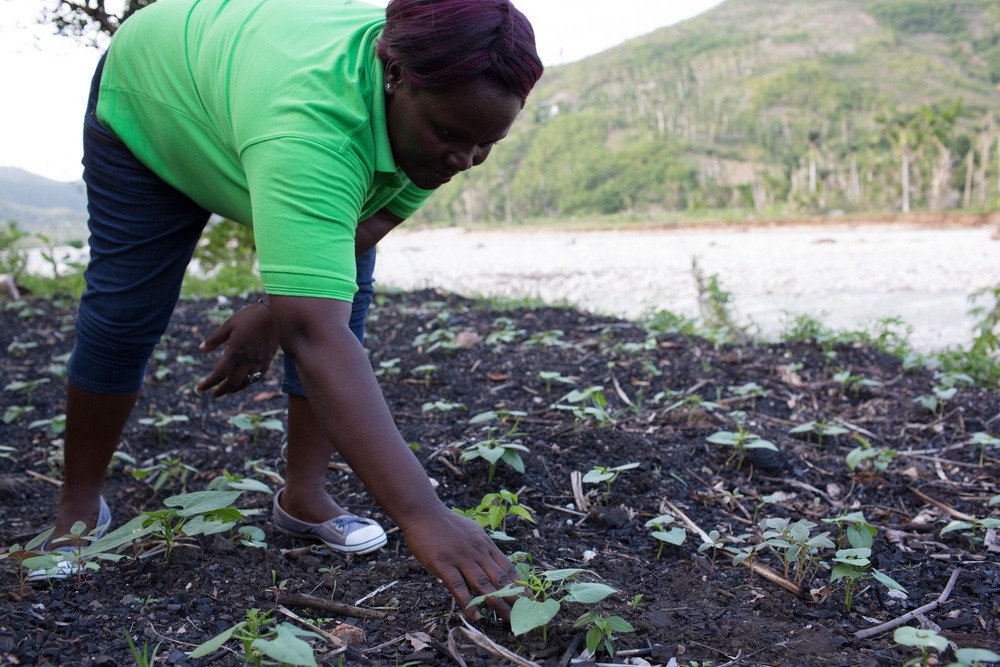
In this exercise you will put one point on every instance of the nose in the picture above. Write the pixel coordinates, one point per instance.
(462, 159)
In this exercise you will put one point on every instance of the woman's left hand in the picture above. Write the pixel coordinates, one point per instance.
(250, 340)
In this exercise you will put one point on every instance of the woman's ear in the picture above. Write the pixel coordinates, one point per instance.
(393, 76)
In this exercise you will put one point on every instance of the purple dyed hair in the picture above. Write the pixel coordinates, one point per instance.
(442, 43)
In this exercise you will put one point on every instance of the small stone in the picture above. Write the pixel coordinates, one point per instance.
(351, 634)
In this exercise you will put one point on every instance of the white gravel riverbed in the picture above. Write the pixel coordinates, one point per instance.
(845, 276)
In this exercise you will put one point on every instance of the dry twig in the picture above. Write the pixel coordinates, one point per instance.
(312, 602)
(896, 622)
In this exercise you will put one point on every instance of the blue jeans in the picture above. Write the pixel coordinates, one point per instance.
(143, 233)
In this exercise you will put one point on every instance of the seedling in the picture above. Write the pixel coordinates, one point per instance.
(601, 629)
(853, 382)
(599, 474)
(797, 548)
(165, 469)
(191, 514)
(920, 639)
(853, 565)
(542, 593)
(144, 657)
(14, 413)
(971, 527)
(674, 535)
(261, 638)
(588, 403)
(253, 423)
(162, 422)
(504, 334)
(974, 657)
(711, 541)
(388, 368)
(493, 511)
(550, 338)
(984, 440)
(820, 429)
(27, 386)
(858, 530)
(741, 441)
(434, 407)
(750, 390)
(426, 371)
(495, 449)
(864, 456)
(550, 377)
(56, 425)
(943, 391)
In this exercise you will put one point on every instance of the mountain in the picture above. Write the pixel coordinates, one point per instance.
(41, 205)
(766, 106)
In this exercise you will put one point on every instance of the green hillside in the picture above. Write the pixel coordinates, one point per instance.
(774, 107)
(41, 205)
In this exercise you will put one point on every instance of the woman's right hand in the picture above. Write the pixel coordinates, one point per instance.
(458, 551)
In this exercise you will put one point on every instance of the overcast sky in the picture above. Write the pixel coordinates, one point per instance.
(44, 78)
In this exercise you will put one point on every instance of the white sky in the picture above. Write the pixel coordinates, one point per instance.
(44, 78)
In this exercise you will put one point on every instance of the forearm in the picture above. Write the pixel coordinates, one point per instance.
(349, 405)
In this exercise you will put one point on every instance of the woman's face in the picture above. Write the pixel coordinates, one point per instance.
(435, 134)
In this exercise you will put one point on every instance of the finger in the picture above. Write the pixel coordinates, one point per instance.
(455, 583)
(216, 338)
(234, 381)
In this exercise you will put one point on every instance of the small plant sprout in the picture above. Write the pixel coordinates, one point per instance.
(796, 546)
(165, 469)
(920, 639)
(853, 564)
(971, 527)
(820, 429)
(673, 535)
(144, 657)
(27, 386)
(261, 638)
(866, 457)
(984, 440)
(854, 383)
(496, 447)
(750, 390)
(551, 377)
(493, 511)
(943, 391)
(426, 372)
(600, 631)
(711, 541)
(441, 407)
(599, 474)
(253, 423)
(741, 441)
(56, 425)
(191, 514)
(162, 422)
(542, 593)
(853, 527)
(388, 368)
(14, 413)
(974, 657)
(587, 403)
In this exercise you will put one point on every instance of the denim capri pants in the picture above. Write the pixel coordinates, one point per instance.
(143, 233)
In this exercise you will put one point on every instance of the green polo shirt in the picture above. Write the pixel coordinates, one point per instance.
(267, 112)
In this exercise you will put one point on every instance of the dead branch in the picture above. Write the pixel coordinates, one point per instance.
(905, 618)
(312, 602)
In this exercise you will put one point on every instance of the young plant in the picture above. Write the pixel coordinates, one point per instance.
(496, 447)
(551, 377)
(167, 468)
(191, 514)
(853, 565)
(820, 429)
(741, 441)
(599, 474)
(27, 386)
(542, 594)
(162, 422)
(920, 639)
(854, 383)
(971, 528)
(261, 638)
(14, 413)
(493, 511)
(750, 390)
(867, 457)
(588, 403)
(984, 440)
(388, 368)
(796, 546)
(144, 657)
(600, 631)
(674, 535)
(426, 371)
(441, 407)
(253, 423)
(943, 391)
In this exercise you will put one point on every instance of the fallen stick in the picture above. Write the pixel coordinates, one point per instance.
(905, 618)
(339, 644)
(951, 511)
(484, 642)
(312, 602)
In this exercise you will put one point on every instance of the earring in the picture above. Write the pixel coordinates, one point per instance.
(389, 87)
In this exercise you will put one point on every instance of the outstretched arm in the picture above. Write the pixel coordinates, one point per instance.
(350, 408)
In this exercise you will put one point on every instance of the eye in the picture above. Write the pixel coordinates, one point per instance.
(445, 134)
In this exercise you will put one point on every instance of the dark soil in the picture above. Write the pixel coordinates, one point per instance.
(693, 606)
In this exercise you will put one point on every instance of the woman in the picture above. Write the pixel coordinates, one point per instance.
(324, 124)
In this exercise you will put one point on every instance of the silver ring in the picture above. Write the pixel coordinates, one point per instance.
(254, 377)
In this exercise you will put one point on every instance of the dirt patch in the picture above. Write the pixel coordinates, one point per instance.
(666, 395)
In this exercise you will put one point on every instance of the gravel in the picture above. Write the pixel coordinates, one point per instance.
(847, 276)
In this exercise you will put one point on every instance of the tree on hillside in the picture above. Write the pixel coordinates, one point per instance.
(91, 19)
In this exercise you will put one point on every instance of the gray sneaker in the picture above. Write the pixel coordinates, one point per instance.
(346, 534)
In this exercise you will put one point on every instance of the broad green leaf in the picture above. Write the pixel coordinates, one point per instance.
(887, 581)
(587, 592)
(910, 636)
(563, 574)
(674, 536)
(288, 647)
(526, 614)
(199, 502)
(215, 643)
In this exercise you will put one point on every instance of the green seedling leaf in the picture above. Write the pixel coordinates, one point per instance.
(956, 525)
(974, 656)
(587, 592)
(508, 591)
(675, 536)
(563, 574)
(216, 642)
(526, 614)
(887, 581)
(288, 648)
(910, 636)
(201, 502)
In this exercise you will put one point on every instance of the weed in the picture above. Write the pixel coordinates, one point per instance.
(587, 403)
(601, 629)
(549, 377)
(14, 413)
(750, 390)
(854, 383)
(56, 425)
(820, 428)
(144, 657)
(253, 423)
(866, 456)
(944, 390)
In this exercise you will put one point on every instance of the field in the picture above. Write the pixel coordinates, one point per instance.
(860, 445)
